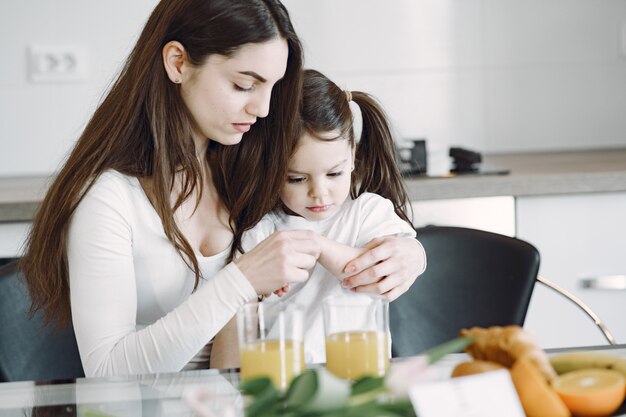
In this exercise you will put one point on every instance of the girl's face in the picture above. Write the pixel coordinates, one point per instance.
(226, 95)
(318, 179)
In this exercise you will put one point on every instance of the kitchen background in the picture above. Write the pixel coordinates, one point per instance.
(497, 76)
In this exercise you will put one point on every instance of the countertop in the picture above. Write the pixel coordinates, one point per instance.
(20, 197)
(531, 174)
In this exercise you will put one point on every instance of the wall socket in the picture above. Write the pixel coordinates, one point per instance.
(57, 63)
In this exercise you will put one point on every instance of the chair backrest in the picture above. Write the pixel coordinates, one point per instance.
(473, 278)
(28, 349)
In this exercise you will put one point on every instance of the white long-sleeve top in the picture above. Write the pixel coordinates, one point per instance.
(367, 217)
(131, 293)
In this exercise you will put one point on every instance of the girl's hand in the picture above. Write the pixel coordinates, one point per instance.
(389, 266)
(282, 258)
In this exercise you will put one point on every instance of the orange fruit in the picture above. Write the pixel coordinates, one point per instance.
(475, 367)
(591, 392)
(536, 395)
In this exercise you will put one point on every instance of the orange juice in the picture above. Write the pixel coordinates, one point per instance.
(279, 361)
(352, 355)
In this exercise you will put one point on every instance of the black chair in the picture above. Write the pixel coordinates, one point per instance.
(28, 349)
(473, 278)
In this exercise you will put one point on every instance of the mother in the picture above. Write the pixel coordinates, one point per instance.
(133, 241)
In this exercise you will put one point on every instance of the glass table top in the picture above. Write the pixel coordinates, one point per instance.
(132, 396)
(165, 394)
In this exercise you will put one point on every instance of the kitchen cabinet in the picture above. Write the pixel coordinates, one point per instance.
(579, 236)
(494, 214)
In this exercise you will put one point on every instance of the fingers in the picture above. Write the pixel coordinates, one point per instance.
(304, 241)
(282, 291)
(390, 287)
(406, 253)
(281, 258)
(301, 261)
(372, 274)
(389, 267)
(397, 292)
(378, 251)
(382, 286)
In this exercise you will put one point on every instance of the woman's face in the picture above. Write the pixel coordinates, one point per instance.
(226, 95)
(318, 178)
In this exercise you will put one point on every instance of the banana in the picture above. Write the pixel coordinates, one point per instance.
(571, 361)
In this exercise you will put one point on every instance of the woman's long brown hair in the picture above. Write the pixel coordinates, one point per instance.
(143, 129)
(325, 108)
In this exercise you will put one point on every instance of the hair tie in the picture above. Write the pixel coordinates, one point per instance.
(348, 95)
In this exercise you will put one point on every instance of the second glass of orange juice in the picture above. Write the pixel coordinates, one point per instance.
(271, 341)
(357, 335)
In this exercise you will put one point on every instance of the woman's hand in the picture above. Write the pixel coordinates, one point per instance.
(389, 266)
(282, 258)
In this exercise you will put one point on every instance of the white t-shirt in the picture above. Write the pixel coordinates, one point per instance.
(131, 293)
(358, 222)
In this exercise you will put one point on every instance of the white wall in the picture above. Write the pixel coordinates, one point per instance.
(495, 75)
(39, 122)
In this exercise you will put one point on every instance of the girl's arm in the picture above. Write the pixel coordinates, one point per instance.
(335, 256)
(392, 258)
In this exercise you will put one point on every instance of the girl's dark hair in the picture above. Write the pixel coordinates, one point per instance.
(325, 108)
(143, 129)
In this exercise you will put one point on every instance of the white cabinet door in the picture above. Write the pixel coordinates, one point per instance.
(494, 214)
(578, 236)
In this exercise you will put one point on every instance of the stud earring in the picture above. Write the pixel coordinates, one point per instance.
(177, 80)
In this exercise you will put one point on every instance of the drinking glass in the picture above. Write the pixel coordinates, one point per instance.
(271, 341)
(356, 327)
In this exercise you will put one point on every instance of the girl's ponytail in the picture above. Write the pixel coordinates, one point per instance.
(375, 167)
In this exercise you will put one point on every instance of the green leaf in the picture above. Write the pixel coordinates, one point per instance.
(314, 393)
(265, 398)
(302, 389)
(373, 410)
(399, 407)
(367, 383)
(453, 346)
(256, 386)
(265, 405)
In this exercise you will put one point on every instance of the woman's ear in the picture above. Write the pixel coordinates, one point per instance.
(174, 58)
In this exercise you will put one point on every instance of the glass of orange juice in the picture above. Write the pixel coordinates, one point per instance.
(271, 341)
(356, 327)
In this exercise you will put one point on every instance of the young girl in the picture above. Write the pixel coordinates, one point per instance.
(348, 193)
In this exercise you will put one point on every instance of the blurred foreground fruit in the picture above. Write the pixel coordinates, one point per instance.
(572, 361)
(505, 345)
(475, 367)
(591, 392)
(536, 395)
